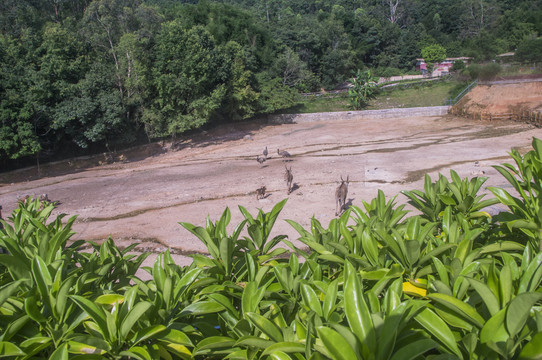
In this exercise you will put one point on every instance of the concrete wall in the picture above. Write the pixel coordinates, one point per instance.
(399, 78)
(363, 114)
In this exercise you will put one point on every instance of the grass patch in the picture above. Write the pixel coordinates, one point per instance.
(417, 95)
(427, 94)
(322, 103)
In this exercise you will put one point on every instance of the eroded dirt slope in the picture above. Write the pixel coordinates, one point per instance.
(502, 98)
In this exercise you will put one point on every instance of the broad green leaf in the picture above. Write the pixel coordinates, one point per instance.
(9, 289)
(213, 342)
(175, 336)
(436, 327)
(81, 348)
(109, 299)
(285, 347)
(252, 295)
(279, 355)
(414, 349)
(502, 246)
(463, 309)
(137, 352)
(265, 326)
(337, 347)
(518, 311)
(95, 313)
(8, 349)
(147, 333)
(133, 316)
(357, 312)
(42, 277)
(494, 329)
(254, 341)
(533, 349)
(532, 275)
(201, 308)
(33, 310)
(491, 301)
(311, 299)
(330, 298)
(61, 353)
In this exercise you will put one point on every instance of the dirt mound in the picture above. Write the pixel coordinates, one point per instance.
(516, 101)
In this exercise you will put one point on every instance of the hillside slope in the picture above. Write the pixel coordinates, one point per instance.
(520, 100)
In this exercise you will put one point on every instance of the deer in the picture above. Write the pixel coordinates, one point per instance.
(260, 193)
(288, 177)
(340, 195)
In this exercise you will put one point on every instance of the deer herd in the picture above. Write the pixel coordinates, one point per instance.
(340, 193)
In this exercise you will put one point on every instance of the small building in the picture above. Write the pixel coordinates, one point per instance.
(443, 67)
(506, 58)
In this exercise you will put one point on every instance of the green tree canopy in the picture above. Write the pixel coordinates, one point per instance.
(433, 54)
(530, 50)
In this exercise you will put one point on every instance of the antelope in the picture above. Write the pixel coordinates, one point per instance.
(265, 152)
(288, 177)
(260, 193)
(340, 195)
(283, 153)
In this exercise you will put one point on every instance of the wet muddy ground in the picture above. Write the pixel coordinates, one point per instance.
(143, 198)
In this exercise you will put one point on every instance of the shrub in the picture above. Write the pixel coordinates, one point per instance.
(458, 65)
(451, 282)
(489, 72)
(529, 50)
(482, 72)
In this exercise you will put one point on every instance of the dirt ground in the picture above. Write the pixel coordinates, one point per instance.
(141, 195)
(503, 98)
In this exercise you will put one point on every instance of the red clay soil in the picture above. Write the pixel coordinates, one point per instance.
(498, 99)
(142, 195)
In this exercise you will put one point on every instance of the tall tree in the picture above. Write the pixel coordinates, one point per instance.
(433, 54)
(185, 77)
(19, 117)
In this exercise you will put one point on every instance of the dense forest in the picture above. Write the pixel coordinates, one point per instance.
(80, 76)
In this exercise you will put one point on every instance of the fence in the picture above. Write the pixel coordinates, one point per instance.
(451, 102)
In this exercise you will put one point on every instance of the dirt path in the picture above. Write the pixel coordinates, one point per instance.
(143, 199)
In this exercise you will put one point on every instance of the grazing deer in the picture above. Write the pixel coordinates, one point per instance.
(265, 152)
(283, 153)
(260, 159)
(288, 177)
(340, 195)
(260, 193)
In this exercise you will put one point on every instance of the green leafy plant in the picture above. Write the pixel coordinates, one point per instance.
(526, 178)
(364, 88)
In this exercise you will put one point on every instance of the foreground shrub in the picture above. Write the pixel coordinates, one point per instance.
(450, 282)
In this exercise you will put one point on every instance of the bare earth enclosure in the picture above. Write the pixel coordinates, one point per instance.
(143, 194)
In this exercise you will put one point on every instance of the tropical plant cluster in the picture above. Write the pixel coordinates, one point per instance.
(450, 282)
(80, 76)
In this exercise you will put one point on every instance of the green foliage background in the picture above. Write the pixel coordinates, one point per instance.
(80, 76)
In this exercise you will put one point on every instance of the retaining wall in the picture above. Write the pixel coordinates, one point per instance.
(363, 114)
